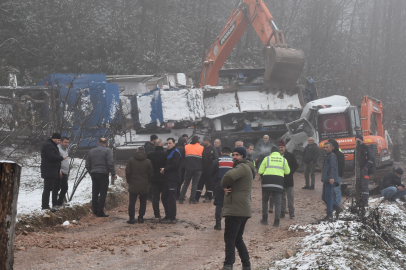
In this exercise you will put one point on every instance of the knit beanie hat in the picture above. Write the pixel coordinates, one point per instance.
(241, 150)
(399, 171)
(56, 136)
(281, 143)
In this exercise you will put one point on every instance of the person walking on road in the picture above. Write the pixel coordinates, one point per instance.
(50, 167)
(237, 185)
(288, 181)
(99, 163)
(218, 169)
(158, 160)
(340, 168)
(138, 172)
(210, 154)
(272, 170)
(193, 169)
(367, 166)
(391, 185)
(61, 183)
(329, 178)
(310, 157)
(397, 143)
(172, 179)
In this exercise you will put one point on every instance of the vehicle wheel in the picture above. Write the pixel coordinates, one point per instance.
(298, 156)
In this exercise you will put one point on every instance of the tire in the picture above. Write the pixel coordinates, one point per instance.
(298, 155)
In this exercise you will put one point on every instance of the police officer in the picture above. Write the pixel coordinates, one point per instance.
(272, 170)
(218, 169)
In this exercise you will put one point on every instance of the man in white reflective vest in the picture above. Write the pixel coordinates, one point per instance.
(272, 170)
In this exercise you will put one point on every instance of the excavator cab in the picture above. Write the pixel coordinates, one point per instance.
(283, 64)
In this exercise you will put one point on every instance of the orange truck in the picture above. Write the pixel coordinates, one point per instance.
(342, 125)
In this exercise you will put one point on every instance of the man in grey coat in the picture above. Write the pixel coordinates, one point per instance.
(61, 184)
(99, 164)
(329, 178)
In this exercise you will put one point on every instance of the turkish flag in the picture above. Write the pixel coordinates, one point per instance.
(336, 122)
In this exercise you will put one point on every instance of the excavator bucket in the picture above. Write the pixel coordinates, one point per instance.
(283, 65)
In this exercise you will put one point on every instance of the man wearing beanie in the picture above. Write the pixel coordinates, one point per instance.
(288, 181)
(273, 169)
(367, 166)
(237, 185)
(50, 167)
(391, 185)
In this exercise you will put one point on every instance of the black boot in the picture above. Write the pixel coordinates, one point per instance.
(276, 223)
(218, 224)
(140, 220)
(264, 220)
(132, 221)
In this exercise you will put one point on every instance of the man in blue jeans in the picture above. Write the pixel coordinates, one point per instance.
(329, 178)
(391, 185)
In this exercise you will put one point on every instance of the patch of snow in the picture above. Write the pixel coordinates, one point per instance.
(66, 223)
(144, 109)
(181, 78)
(220, 104)
(31, 185)
(261, 101)
(126, 106)
(336, 245)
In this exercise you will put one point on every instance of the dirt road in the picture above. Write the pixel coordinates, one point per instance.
(192, 243)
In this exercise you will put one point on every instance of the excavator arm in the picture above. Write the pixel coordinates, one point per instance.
(283, 65)
(369, 107)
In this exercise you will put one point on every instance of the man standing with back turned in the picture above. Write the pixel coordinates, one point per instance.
(99, 163)
(237, 185)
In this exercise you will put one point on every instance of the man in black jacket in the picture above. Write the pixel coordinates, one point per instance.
(172, 178)
(310, 156)
(181, 147)
(391, 185)
(50, 167)
(367, 165)
(341, 165)
(210, 154)
(150, 147)
(158, 160)
(288, 181)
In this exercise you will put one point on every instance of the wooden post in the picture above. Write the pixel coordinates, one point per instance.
(9, 186)
(357, 157)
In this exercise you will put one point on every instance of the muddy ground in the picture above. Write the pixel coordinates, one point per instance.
(191, 243)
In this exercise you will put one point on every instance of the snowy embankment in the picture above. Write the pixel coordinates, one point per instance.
(31, 185)
(351, 244)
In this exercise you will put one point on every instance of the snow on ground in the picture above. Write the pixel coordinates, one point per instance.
(337, 245)
(31, 185)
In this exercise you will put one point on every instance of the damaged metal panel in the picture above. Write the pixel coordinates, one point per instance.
(9, 186)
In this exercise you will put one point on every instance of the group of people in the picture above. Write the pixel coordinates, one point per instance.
(227, 175)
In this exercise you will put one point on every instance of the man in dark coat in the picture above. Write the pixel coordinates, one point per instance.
(50, 167)
(210, 154)
(99, 163)
(288, 181)
(138, 173)
(367, 165)
(391, 185)
(181, 147)
(172, 178)
(218, 169)
(217, 145)
(341, 164)
(158, 160)
(150, 147)
(310, 156)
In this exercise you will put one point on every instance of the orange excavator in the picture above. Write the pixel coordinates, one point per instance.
(283, 65)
